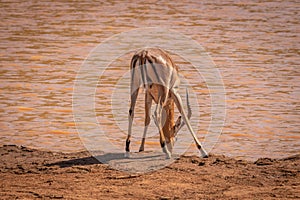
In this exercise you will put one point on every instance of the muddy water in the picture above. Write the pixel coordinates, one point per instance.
(255, 46)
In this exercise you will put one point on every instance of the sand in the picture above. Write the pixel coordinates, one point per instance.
(33, 174)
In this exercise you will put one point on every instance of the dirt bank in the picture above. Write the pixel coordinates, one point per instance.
(29, 173)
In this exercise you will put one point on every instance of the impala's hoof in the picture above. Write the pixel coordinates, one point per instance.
(168, 156)
(205, 156)
(127, 154)
(167, 152)
(203, 153)
(141, 149)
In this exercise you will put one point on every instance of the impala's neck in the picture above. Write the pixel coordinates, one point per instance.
(168, 126)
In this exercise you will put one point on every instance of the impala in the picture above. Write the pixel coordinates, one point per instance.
(154, 70)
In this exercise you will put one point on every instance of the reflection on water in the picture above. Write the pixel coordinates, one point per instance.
(255, 45)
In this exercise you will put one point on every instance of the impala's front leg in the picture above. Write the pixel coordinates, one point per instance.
(148, 103)
(158, 121)
(179, 105)
(130, 120)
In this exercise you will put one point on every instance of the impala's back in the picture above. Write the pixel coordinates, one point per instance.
(153, 66)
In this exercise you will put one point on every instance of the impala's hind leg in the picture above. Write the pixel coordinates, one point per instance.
(179, 106)
(130, 120)
(148, 103)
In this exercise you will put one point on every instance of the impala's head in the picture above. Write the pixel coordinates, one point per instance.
(171, 127)
(173, 136)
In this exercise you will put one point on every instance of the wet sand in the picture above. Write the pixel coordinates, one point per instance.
(28, 173)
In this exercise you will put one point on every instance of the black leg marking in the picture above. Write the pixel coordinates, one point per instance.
(163, 144)
(127, 145)
(130, 112)
(199, 147)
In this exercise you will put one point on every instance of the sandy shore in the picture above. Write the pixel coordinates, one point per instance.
(29, 173)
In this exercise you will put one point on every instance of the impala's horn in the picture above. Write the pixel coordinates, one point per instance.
(180, 123)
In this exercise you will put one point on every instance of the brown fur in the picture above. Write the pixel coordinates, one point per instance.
(165, 96)
(168, 119)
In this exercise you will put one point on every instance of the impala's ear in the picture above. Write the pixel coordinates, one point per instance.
(178, 122)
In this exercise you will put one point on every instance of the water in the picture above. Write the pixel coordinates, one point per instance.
(255, 46)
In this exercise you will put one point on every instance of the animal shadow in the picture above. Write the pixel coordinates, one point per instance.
(91, 160)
